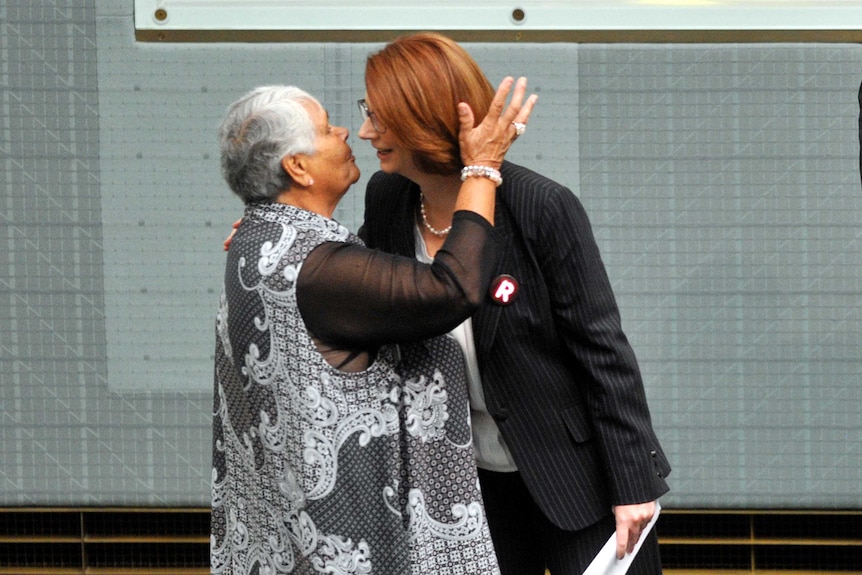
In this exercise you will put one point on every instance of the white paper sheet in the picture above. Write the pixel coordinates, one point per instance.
(606, 562)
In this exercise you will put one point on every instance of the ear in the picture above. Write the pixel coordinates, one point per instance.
(297, 168)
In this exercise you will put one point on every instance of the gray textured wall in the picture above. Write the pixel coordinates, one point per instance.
(722, 181)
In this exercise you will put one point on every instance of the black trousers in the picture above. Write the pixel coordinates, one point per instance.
(527, 543)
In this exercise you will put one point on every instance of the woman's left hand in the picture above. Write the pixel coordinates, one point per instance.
(487, 143)
(631, 520)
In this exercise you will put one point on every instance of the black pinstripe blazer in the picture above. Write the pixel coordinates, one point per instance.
(559, 375)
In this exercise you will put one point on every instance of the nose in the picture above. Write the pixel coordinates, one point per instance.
(366, 130)
(343, 132)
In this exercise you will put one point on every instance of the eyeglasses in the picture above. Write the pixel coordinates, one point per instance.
(369, 115)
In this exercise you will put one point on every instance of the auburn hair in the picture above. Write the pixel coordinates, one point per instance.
(414, 85)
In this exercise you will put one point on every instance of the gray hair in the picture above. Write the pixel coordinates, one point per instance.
(259, 129)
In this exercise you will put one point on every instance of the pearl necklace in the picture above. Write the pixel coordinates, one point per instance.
(436, 232)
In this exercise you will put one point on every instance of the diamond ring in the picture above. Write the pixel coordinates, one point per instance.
(520, 128)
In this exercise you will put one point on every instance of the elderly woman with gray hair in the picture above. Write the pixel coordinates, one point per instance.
(336, 450)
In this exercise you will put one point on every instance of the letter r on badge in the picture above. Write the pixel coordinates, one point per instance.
(504, 289)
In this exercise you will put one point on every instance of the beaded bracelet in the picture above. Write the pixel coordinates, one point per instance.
(483, 172)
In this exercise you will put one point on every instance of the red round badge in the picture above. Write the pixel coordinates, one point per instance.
(504, 289)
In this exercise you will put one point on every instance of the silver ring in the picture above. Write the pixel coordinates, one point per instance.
(520, 128)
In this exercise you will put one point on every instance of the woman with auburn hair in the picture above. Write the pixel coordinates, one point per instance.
(426, 115)
(561, 428)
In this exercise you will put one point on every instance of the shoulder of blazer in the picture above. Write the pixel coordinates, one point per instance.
(532, 198)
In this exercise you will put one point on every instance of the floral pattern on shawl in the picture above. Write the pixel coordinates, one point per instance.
(321, 471)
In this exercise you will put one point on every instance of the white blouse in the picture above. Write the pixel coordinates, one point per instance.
(490, 448)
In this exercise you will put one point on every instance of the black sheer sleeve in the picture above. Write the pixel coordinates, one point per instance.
(351, 296)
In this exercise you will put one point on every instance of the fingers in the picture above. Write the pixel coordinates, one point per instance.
(229, 239)
(622, 542)
(631, 520)
(498, 108)
(465, 117)
(524, 112)
(627, 538)
(517, 99)
(518, 111)
(499, 101)
(488, 142)
(634, 535)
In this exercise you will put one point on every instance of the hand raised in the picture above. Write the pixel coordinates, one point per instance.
(487, 143)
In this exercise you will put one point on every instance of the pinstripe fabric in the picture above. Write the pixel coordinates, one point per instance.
(526, 543)
(559, 375)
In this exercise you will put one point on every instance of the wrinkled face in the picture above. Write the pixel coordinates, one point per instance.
(332, 166)
(393, 158)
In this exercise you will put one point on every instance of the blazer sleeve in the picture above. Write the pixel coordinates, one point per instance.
(588, 322)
